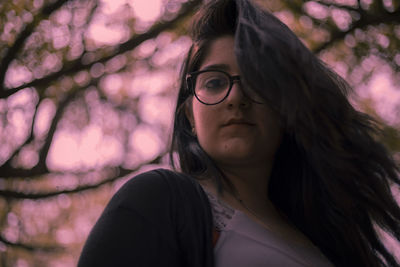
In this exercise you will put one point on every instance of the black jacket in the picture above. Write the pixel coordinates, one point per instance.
(158, 218)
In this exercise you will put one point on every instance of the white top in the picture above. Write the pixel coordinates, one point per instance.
(244, 242)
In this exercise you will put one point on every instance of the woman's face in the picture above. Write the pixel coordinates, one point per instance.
(237, 130)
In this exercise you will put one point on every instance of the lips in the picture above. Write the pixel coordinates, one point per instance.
(234, 121)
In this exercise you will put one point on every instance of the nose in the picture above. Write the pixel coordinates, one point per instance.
(236, 96)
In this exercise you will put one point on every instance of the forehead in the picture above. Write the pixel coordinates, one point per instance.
(220, 55)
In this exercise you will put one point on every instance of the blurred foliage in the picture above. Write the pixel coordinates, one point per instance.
(87, 93)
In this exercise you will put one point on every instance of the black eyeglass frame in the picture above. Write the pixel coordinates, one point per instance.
(191, 76)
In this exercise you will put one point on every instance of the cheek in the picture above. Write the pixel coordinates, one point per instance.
(206, 125)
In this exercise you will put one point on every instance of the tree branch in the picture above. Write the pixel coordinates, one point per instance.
(7, 171)
(27, 140)
(120, 172)
(348, 8)
(88, 21)
(44, 151)
(24, 34)
(30, 247)
(364, 21)
(76, 65)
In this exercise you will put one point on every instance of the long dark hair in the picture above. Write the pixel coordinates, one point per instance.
(331, 177)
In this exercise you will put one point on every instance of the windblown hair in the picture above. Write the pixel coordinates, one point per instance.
(331, 177)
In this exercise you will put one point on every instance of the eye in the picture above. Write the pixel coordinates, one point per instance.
(212, 81)
(215, 83)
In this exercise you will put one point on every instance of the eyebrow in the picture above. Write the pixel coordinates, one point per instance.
(225, 67)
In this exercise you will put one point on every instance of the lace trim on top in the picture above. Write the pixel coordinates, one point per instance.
(221, 212)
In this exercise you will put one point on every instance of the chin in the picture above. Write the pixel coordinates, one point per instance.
(237, 153)
(240, 153)
(240, 146)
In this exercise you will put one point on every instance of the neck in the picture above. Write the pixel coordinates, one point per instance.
(251, 183)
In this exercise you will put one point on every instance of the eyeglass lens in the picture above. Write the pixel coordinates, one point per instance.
(212, 87)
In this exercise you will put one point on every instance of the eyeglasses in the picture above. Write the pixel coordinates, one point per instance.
(211, 87)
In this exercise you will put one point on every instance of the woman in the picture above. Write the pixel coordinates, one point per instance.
(277, 168)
